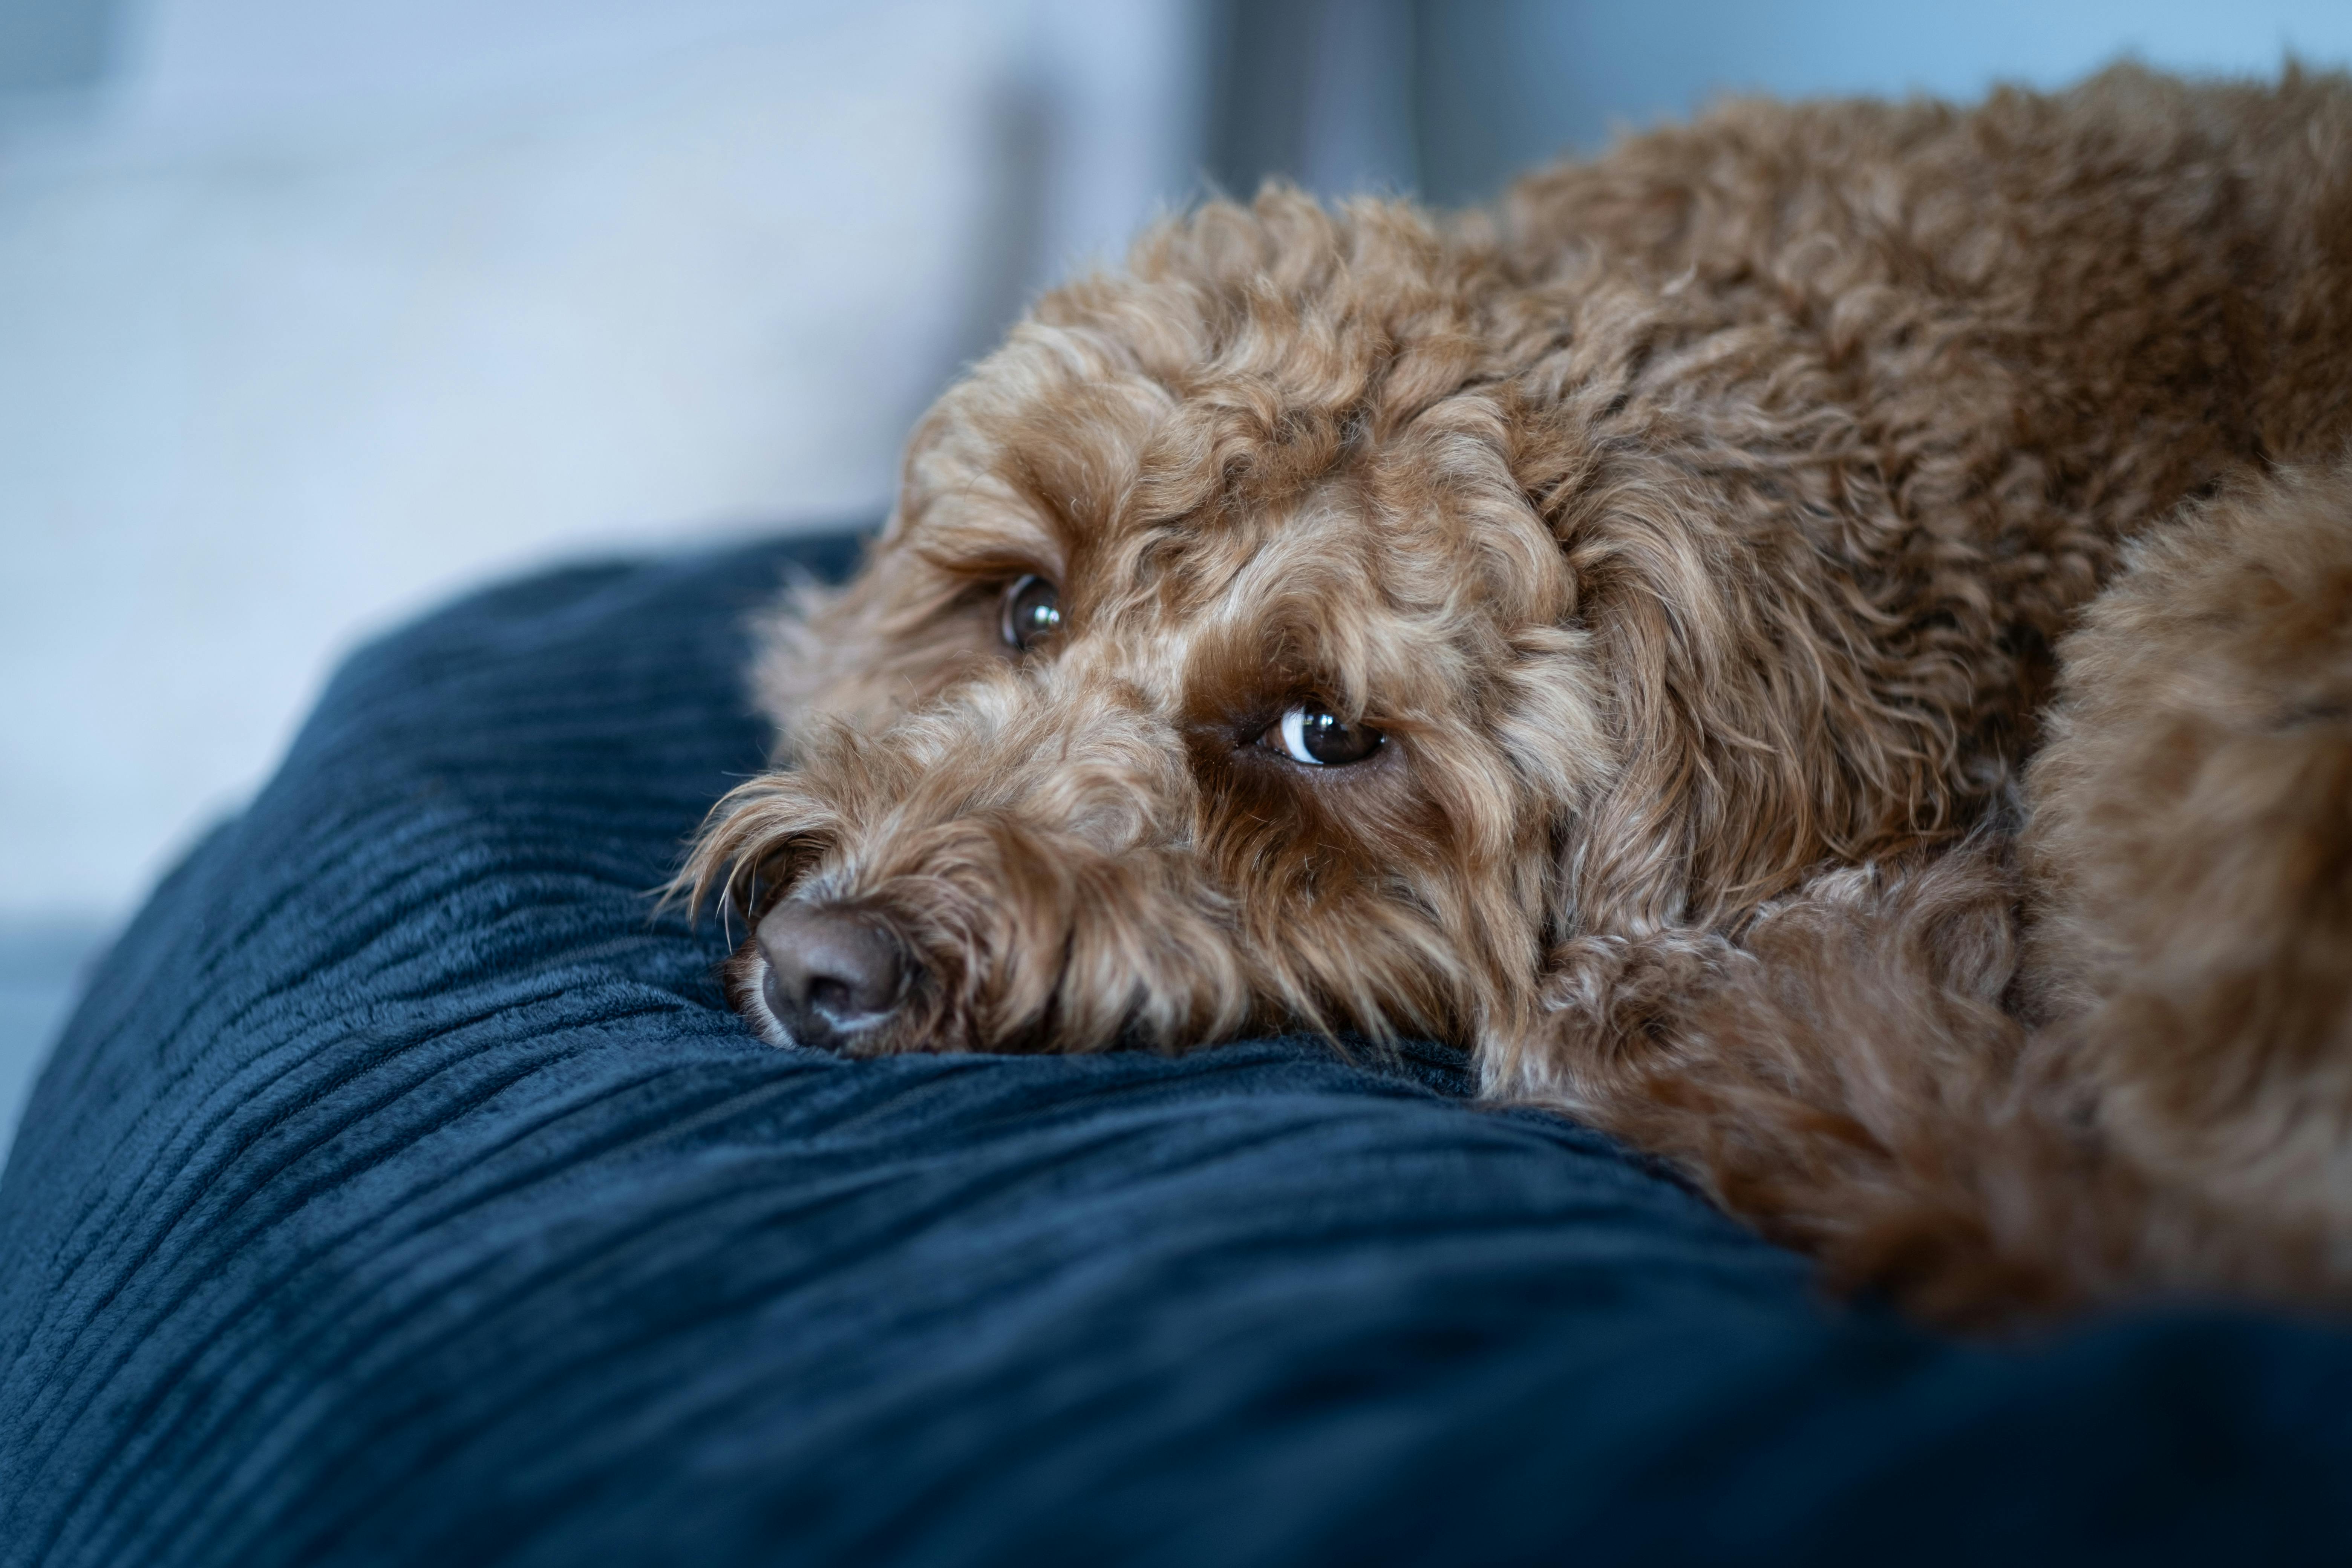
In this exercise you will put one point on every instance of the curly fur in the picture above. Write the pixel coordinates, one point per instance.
(1717, 530)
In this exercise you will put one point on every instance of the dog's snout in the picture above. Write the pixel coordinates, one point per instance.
(833, 973)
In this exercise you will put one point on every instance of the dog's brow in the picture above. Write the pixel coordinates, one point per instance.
(986, 537)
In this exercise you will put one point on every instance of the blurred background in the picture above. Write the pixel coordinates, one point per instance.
(315, 311)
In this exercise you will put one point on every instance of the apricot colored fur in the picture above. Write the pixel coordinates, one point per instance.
(1858, 597)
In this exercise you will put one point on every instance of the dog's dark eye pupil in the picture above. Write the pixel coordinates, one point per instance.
(1311, 732)
(1033, 612)
(1330, 739)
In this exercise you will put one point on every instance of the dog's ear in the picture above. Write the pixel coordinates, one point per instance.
(793, 659)
(1745, 705)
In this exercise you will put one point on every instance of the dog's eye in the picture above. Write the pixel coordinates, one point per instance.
(1313, 734)
(1033, 612)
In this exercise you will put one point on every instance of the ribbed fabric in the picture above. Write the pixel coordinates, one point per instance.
(404, 1194)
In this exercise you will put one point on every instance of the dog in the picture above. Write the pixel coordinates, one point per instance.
(1819, 641)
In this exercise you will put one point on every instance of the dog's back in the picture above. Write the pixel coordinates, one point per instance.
(2139, 273)
(2005, 357)
(1921, 369)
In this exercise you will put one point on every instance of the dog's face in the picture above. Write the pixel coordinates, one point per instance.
(1214, 671)
(1227, 663)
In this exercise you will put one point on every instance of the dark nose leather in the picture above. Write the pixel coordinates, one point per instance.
(831, 974)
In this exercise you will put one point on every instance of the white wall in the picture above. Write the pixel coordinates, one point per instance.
(1508, 84)
(324, 311)
(1668, 55)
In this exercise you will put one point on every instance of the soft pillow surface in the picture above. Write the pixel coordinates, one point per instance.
(403, 1192)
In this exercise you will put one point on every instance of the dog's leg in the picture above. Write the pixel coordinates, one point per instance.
(1848, 1078)
(1853, 1079)
(2191, 851)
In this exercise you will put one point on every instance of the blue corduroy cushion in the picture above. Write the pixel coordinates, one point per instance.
(404, 1193)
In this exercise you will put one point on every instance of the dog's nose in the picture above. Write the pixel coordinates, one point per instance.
(831, 974)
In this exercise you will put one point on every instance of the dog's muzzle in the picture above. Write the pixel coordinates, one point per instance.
(831, 974)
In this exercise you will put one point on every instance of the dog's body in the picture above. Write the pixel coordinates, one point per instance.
(1612, 633)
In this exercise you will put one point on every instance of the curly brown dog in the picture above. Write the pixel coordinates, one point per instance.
(1820, 641)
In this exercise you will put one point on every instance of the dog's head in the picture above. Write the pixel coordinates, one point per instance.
(1285, 630)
